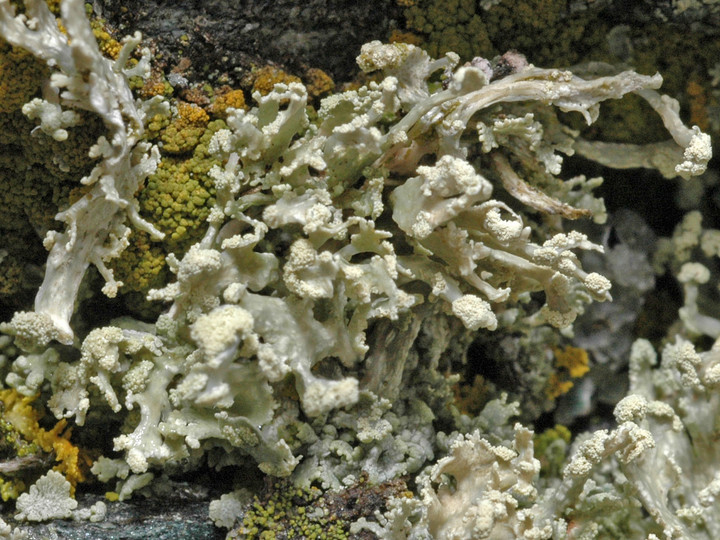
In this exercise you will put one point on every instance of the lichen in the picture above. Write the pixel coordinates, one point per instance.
(177, 198)
(287, 512)
(353, 291)
(33, 448)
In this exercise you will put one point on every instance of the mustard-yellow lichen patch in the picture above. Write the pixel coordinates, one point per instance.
(230, 99)
(318, 83)
(108, 45)
(571, 363)
(24, 420)
(185, 130)
(556, 386)
(574, 359)
(264, 79)
(177, 199)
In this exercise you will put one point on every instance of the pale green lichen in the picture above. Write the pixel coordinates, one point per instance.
(49, 498)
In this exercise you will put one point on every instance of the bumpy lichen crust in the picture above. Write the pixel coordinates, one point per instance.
(541, 29)
(318, 82)
(184, 132)
(177, 199)
(179, 195)
(38, 177)
(264, 79)
(449, 26)
(21, 75)
(142, 264)
(286, 513)
(109, 46)
(289, 512)
(227, 99)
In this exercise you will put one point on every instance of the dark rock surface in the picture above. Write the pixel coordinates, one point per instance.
(174, 518)
(229, 36)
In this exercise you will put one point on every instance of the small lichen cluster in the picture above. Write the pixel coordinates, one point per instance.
(285, 511)
(571, 363)
(290, 513)
(264, 78)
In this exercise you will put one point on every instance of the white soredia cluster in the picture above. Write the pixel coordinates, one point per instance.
(352, 254)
